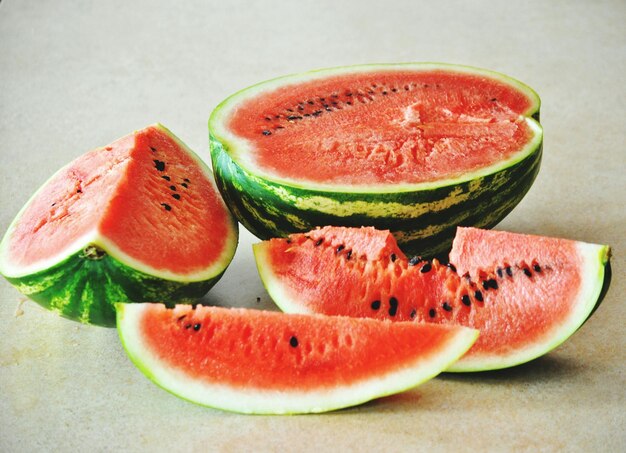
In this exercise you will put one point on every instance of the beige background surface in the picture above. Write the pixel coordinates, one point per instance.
(78, 74)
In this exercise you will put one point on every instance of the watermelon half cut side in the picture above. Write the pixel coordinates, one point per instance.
(525, 294)
(136, 220)
(264, 362)
(414, 148)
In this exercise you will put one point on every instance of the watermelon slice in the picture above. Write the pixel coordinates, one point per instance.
(266, 362)
(136, 220)
(414, 148)
(526, 294)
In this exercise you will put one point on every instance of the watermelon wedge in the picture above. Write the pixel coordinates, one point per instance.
(136, 220)
(525, 294)
(266, 362)
(414, 148)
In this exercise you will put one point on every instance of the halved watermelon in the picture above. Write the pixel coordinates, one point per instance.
(136, 220)
(266, 362)
(526, 294)
(414, 148)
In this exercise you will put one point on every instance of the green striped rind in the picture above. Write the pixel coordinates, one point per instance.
(423, 221)
(423, 217)
(86, 290)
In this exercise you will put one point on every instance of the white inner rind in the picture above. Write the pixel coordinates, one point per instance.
(273, 284)
(289, 400)
(96, 238)
(593, 260)
(242, 150)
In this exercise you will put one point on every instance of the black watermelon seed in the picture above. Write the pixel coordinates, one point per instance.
(393, 257)
(432, 312)
(452, 267)
(184, 184)
(266, 132)
(186, 180)
(426, 268)
(290, 110)
(196, 327)
(340, 248)
(173, 188)
(153, 149)
(79, 191)
(537, 267)
(293, 341)
(527, 272)
(393, 306)
(478, 296)
(509, 271)
(166, 206)
(310, 102)
(491, 283)
(267, 118)
(349, 254)
(384, 93)
(375, 305)
(159, 165)
(499, 272)
(394, 89)
(493, 99)
(446, 306)
(319, 242)
(466, 300)
(187, 326)
(167, 178)
(294, 117)
(176, 196)
(413, 313)
(413, 261)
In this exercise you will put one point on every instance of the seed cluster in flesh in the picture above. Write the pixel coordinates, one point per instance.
(160, 167)
(393, 286)
(314, 107)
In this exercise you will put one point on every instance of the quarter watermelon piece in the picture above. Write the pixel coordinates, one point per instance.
(526, 294)
(136, 220)
(414, 148)
(265, 362)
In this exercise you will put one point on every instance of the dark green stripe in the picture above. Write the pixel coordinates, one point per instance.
(62, 288)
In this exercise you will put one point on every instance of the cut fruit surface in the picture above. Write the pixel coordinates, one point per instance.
(526, 294)
(406, 147)
(255, 361)
(127, 221)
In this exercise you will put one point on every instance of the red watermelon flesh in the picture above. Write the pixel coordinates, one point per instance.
(267, 362)
(390, 125)
(526, 294)
(133, 194)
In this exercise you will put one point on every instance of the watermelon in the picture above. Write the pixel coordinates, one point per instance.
(266, 362)
(136, 220)
(414, 148)
(525, 294)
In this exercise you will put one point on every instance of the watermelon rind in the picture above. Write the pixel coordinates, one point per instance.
(84, 289)
(595, 259)
(250, 400)
(422, 216)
